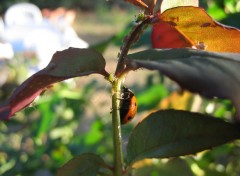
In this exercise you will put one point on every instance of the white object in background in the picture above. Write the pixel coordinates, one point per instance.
(69, 36)
(23, 14)
(20, 20)
(6, 51)
(27, 31)
(1, 25)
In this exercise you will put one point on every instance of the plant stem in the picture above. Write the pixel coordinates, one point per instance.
(128, 41)
(117, 136)
(116, 81)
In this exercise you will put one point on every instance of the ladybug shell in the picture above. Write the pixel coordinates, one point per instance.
(128, 106)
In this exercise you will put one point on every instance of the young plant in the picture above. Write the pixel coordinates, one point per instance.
(193, 59)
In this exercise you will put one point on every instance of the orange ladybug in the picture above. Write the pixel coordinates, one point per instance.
(128, 105)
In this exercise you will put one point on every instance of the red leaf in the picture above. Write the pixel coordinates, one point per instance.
(65, 64)
(196, 26)
(165, 35)
(26, 93)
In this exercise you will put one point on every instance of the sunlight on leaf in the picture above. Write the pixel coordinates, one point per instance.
(173, 133)
(171, 167)
(207, 73)
(201, 29)
(166, 36)
(65, 64)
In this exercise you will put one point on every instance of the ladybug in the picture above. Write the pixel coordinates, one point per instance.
(128, 105)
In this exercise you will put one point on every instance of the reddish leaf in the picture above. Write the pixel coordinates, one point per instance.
(27, 92)
(197, 26)
(166, 36)
(65, 64)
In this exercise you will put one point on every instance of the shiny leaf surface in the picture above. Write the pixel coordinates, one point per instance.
(207, 73)
(173, 133)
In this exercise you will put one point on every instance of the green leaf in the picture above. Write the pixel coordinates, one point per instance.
(45, 123)
(151, 97)
(210, 74)
(173, 133)
(87, 164)
(216, 11)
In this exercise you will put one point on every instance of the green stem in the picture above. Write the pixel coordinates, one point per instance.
(117, 136)
(116, 81)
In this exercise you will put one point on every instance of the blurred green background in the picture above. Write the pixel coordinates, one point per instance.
(74, 117)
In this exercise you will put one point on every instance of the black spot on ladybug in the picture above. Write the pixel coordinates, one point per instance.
(128, 106)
